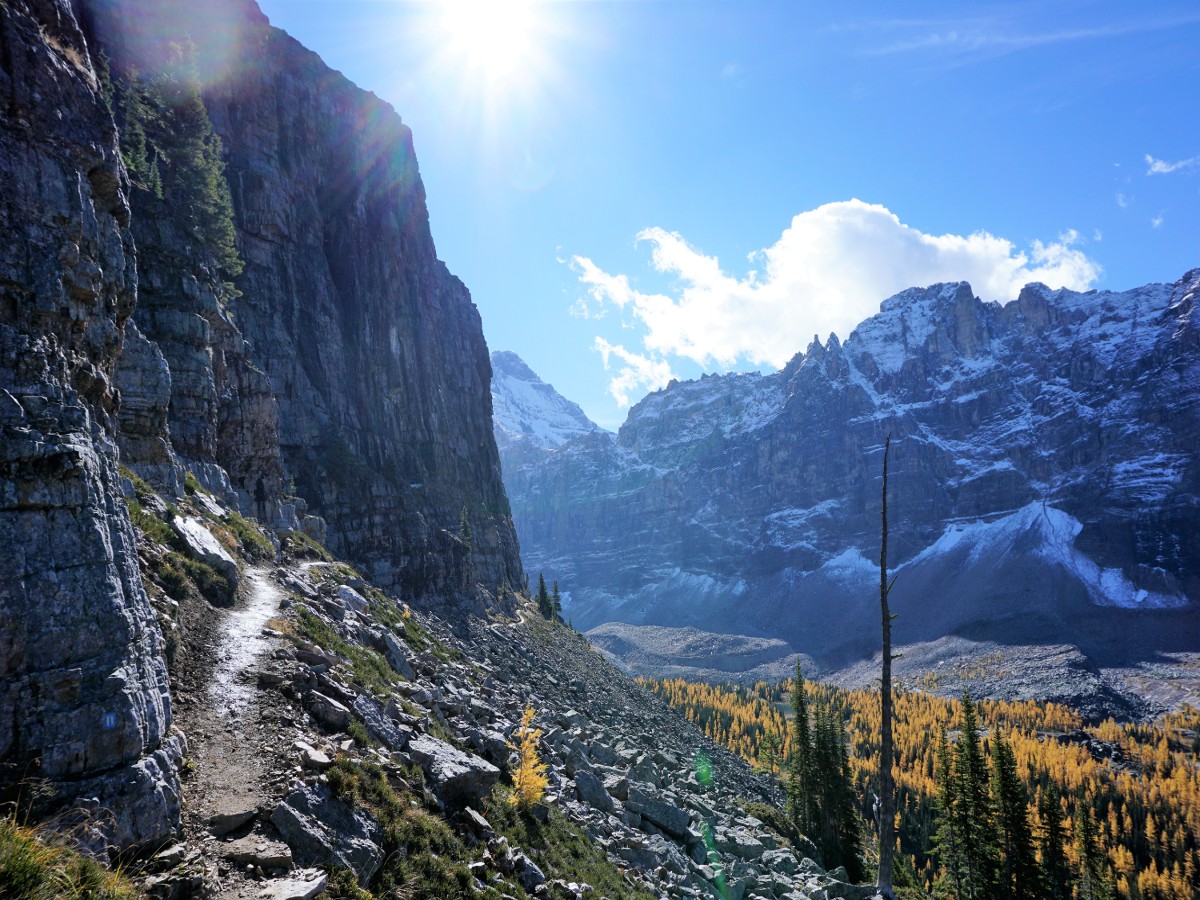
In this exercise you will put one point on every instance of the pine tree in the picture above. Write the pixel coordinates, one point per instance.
(947, 841)
(543, 598)
(556, 602)
(799, 780)
(1057, 873)
(1092, 880)
(1019, 878)
(973, 810)
(844, 809)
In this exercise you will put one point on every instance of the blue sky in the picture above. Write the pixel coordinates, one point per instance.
(635, 191)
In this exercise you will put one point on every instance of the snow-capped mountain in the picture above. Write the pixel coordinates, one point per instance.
(527, 410)
(1044, 484)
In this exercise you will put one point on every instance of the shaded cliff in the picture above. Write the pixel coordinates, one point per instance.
(347, 365)
(83, 687)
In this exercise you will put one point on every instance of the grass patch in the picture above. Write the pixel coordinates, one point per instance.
(424, 858)
(299, 545)
(191, 485)
(154, 528)
(368, 668)
(254, 544)
(185, 578)
(35, 869)
(561, 850)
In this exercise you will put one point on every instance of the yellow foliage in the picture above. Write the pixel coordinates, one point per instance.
(529, 778)
(1144, 785)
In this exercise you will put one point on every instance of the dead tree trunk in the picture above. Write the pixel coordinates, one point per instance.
(887, 788)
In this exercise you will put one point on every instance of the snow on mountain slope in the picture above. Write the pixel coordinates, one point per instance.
(1045, 482)
(525, 408)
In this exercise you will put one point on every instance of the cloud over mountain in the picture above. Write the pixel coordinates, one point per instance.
(828, 271)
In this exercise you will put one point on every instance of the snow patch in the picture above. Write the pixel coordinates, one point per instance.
(1056, 531)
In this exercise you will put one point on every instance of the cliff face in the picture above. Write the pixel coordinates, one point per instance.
(1044, 484)
(352, 366)
(83, 687)
(375, 351)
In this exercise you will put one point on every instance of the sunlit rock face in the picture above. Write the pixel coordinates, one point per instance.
(353, 363)
(1044, 483)
(83, 686)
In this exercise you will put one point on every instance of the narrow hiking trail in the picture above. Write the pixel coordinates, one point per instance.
(241, 643)
(237, 744)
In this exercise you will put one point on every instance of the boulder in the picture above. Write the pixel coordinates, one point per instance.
(327, 711)
(659, 811)
(351, 599)
(458, 778)
(303, 886)
(322, 830)
(202, 546)
(590, 790)
(391, 734)
(397, 656)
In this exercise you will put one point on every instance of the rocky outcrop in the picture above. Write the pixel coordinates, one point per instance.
(83, 686)
(1044, 486)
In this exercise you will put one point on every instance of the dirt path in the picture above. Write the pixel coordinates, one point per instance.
(236, 742)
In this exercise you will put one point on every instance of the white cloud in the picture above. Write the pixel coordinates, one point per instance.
(1162, 167)
(1123, 201)
(1157, 221)
(829, 270)
(639, 374)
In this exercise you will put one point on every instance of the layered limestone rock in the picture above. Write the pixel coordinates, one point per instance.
(374, 352)
(83, 687)
(223, 418)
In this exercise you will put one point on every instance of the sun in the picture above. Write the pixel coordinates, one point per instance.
(493, 39)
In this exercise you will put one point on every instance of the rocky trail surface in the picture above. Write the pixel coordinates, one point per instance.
(272, 717)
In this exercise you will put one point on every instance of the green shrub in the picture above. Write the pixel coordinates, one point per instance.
(562, 850)
(368, 668)
(423, 857)
(254, 544)
(299, 545)
(154, 528)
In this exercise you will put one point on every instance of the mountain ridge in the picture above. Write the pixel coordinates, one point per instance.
(753, 499)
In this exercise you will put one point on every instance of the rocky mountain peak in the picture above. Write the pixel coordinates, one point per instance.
(753, 499)
(527, 410)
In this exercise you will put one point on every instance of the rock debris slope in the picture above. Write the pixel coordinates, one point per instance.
(661, 802)
(1046, 488)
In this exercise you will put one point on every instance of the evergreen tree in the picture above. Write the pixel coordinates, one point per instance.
(768, 753)
(844, 809)
(1057, 884)
(973, 810)
(1092, 881)
(171, 152)
(1019, 878)
(799, 778)
(543, 598)
(556, 602)
(947, 841)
